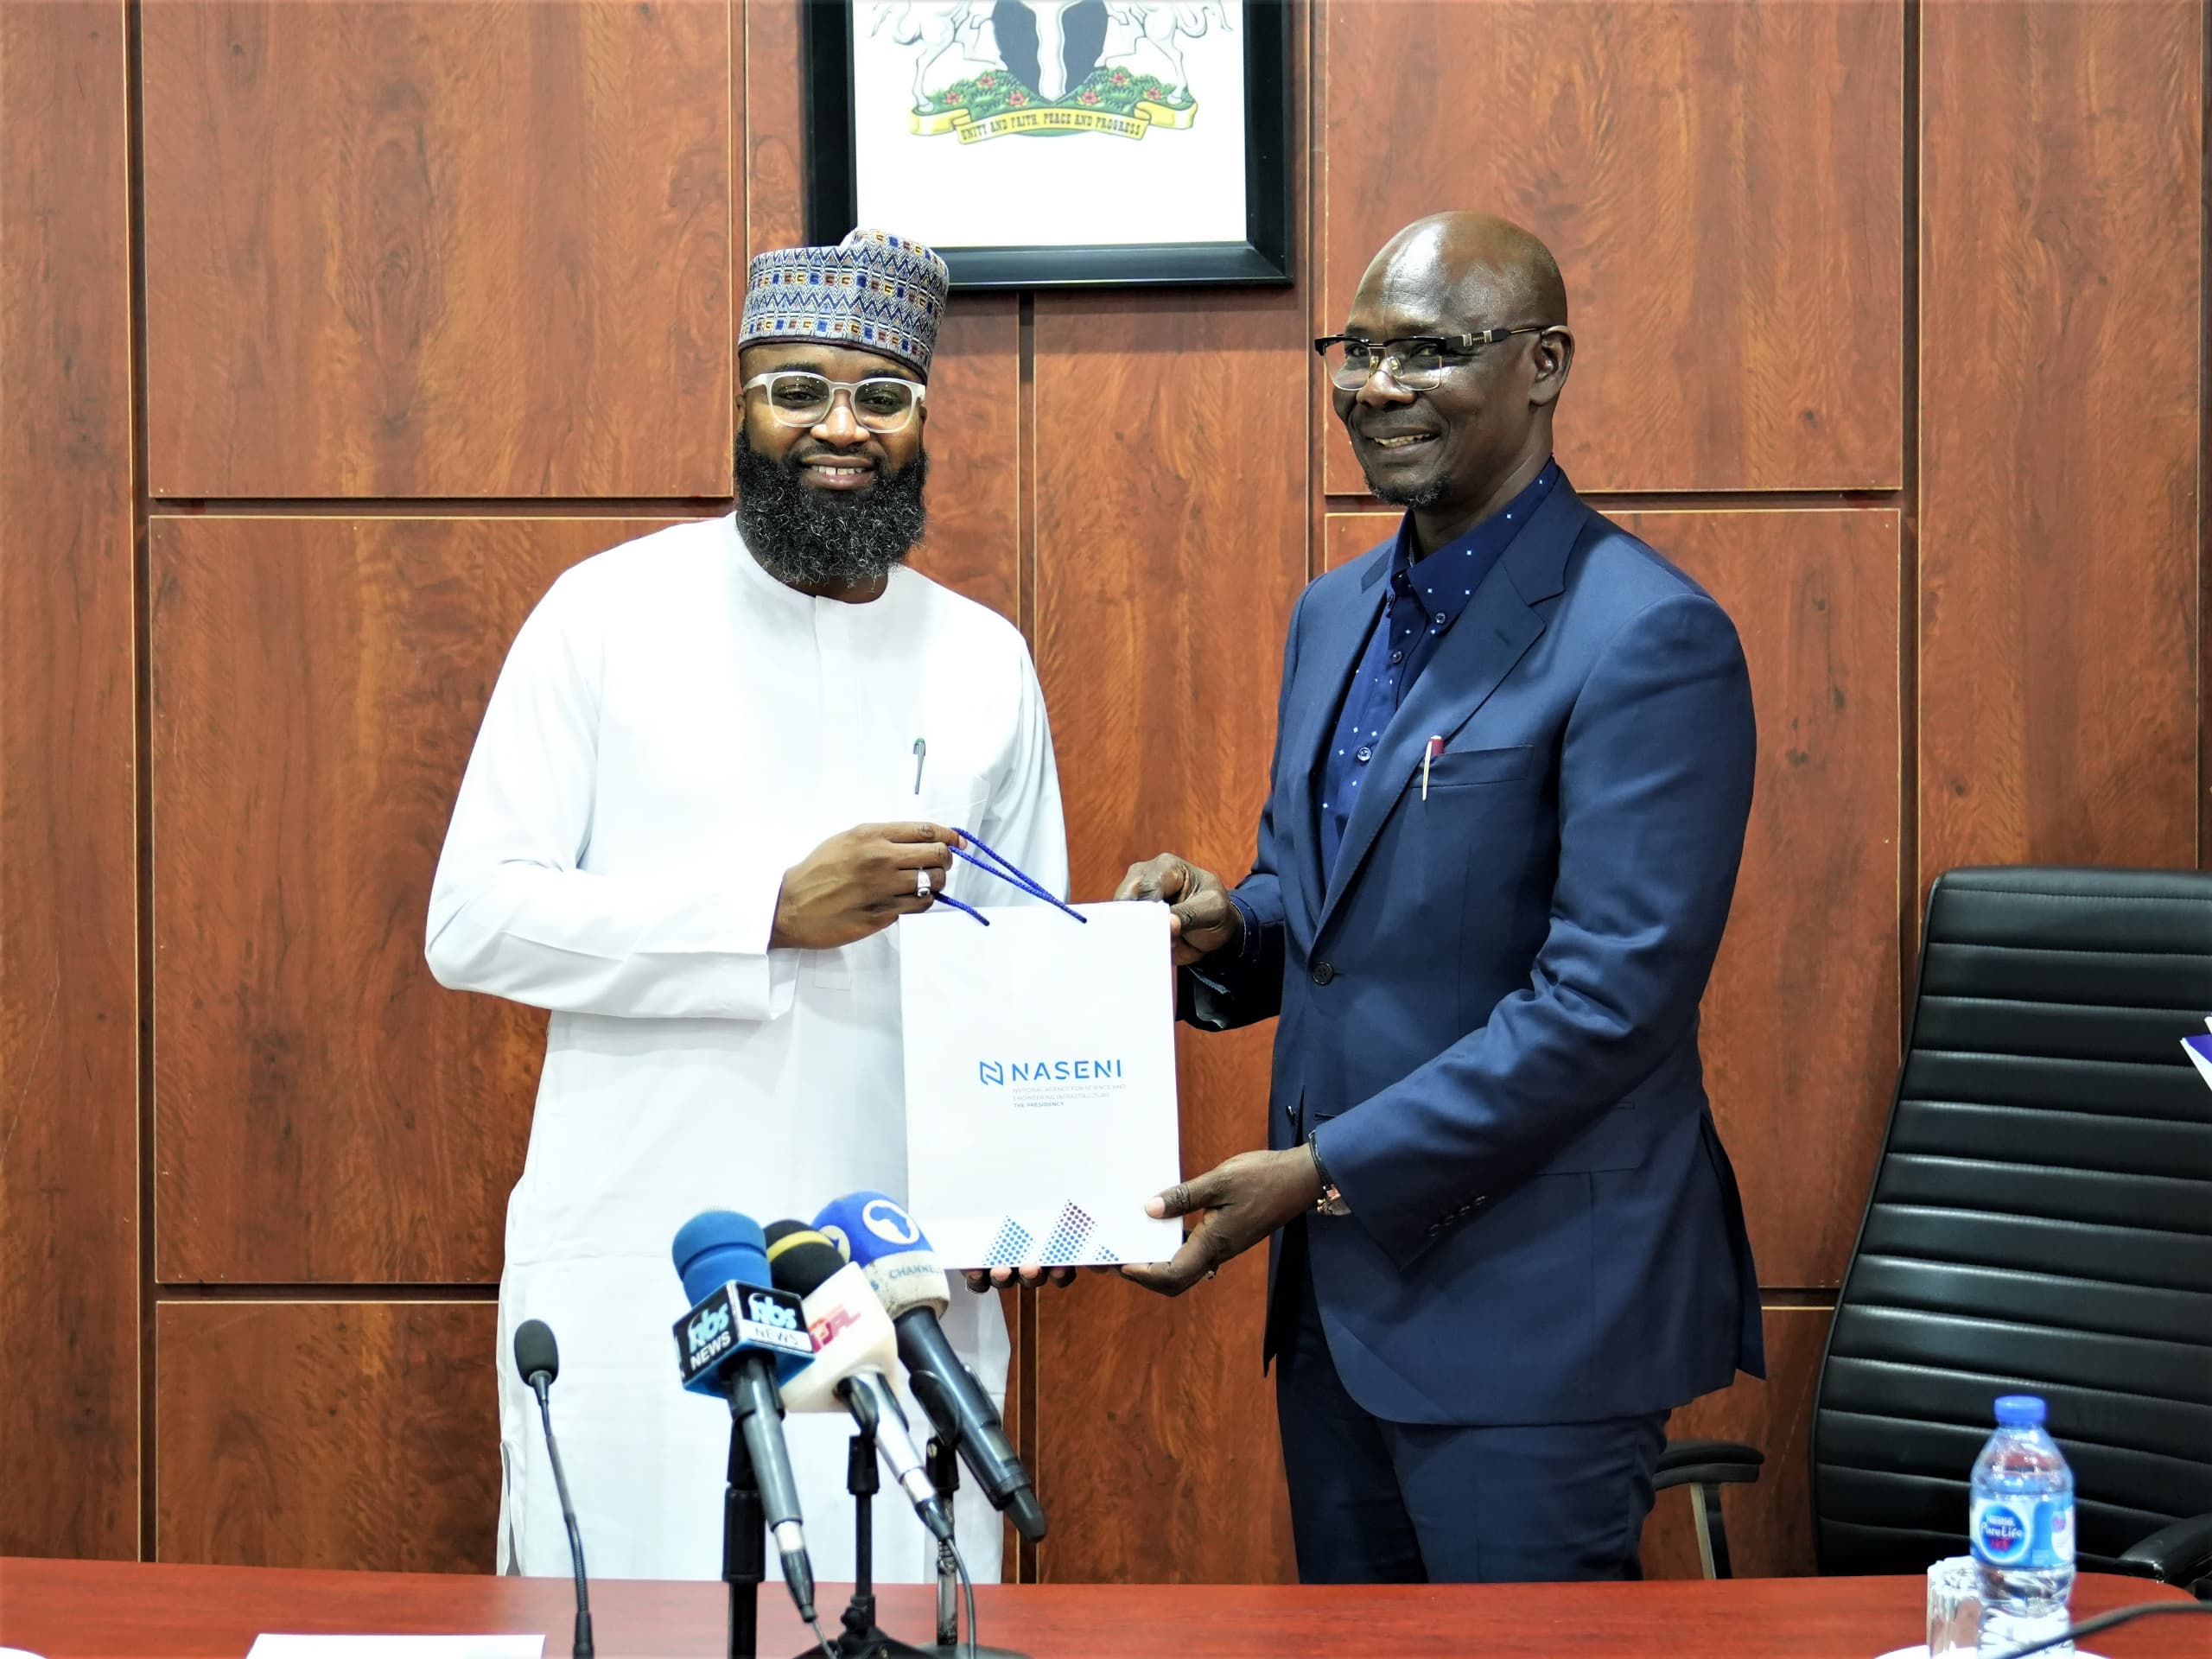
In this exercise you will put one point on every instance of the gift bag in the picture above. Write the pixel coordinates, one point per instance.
(1040, 1082)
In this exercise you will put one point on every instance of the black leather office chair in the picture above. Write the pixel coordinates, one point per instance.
(2041, 1222)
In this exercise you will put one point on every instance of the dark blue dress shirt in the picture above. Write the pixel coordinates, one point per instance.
(1426, 598)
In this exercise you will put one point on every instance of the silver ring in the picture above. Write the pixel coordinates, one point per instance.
(922, 885)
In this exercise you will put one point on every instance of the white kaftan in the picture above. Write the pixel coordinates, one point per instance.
(673, 729)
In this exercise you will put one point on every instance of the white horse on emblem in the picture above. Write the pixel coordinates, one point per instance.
(942, 30)
(1152, 29)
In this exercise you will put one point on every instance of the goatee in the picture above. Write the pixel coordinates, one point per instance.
(1407, 495)
(812, 538)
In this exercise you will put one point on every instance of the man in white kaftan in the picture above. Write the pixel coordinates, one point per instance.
(719, 761)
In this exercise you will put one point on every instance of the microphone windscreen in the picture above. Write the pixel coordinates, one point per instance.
(799, 1258)
(867, 1225)
(910, 1280)
(719, 1247)
(536, 1350)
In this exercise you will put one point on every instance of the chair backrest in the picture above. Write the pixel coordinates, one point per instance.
(2041, 1220)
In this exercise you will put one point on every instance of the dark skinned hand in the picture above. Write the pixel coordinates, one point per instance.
(1032, 1275)
(858, 883)
(1244, 1200)
(1199, 914)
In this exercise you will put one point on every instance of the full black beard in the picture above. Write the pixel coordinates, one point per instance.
(812, 538)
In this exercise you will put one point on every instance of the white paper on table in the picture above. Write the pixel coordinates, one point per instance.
(397, 1647)
(1040, 1084)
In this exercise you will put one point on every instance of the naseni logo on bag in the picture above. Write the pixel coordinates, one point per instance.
(999, 1073)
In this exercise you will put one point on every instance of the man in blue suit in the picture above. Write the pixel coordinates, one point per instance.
(1512, 769)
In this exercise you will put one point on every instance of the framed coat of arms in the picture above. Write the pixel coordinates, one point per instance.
(1041, 143)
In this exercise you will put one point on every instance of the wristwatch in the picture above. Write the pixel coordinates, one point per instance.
(1331, 1202)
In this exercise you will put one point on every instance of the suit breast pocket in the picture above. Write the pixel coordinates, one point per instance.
(1472, 768)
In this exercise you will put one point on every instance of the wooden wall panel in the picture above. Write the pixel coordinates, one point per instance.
(445, 248)
(1165, 570)
(68, 975)
(974, 543)
(1801, 1020)
(1770, 1524)
(1721, 183)
(1345, 536)
(324, 1111)
(2060, 296)
(775, 92)
(331, 1435)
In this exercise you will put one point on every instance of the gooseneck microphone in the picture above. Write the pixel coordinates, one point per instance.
(538, 1362)
(855, 1349)
(739, 1333)
(884, 1242)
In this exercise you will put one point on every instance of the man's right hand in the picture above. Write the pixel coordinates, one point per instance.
(860, 882)
(1197, 905)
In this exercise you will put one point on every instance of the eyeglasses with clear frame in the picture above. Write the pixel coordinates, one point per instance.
(801, 398)
(1415, 363)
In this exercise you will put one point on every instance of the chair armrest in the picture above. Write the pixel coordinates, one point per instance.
(2180, 1553)
(1705, 1463)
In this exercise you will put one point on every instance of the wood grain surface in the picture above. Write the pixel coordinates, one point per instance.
(775, 125)
(324, 1111)
(975, 449)
(72, 1610)
(1800, 1038)
(329, 1434)
(444, 248)
(1721, 183)
(1166, 565)
(2062, 284)
(69, 1214)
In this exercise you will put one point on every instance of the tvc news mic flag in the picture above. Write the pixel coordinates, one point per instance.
(1040, 1084)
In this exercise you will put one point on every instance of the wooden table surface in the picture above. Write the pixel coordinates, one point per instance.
(104, 1609)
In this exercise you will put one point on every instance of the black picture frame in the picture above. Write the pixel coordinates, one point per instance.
(831, 186)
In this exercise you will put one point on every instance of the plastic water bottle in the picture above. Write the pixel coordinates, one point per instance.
(2023, 1529)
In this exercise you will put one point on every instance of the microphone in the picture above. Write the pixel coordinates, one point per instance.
(855, 1348)
(538, 1362)
(739, 1335)
(883, 1241)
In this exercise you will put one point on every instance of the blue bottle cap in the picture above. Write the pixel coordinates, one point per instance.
(2019, 1410)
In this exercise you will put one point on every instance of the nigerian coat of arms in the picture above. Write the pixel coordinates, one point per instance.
(986, 69)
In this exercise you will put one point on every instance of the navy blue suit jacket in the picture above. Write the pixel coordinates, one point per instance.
(1489, 1007)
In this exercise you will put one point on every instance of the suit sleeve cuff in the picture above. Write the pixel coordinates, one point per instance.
(1248, 939)
(1362, 1175)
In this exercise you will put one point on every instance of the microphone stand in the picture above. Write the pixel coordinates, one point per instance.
(745, 1554)
(862, 1639)
(942, 1463)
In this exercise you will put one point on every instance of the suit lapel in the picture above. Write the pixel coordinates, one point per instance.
(1325, 668)
(1492, 635)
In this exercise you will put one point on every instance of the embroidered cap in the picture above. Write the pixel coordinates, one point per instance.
(879, 292)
